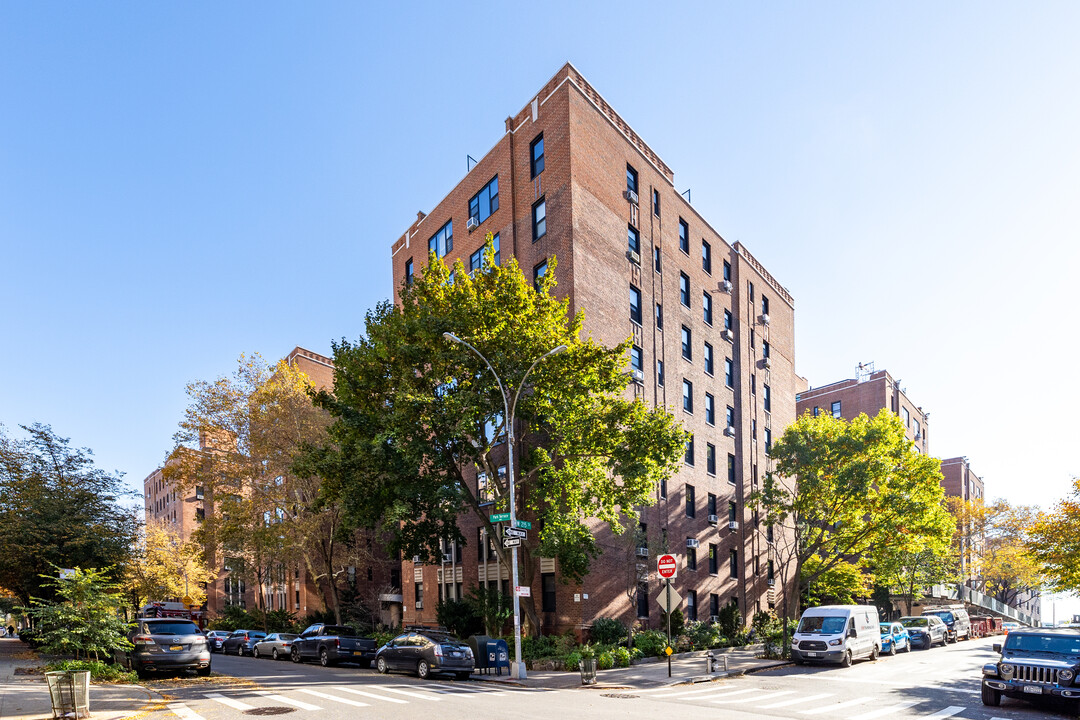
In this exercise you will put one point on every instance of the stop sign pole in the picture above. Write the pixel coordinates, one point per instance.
(667, 568)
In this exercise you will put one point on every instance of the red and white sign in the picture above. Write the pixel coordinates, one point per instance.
(667, 567)
(523, 591)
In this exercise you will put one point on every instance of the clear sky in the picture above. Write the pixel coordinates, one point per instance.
(181, 183)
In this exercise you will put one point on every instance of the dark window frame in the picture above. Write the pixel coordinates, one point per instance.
(684, 289)
(687, 396)
(539, 224)
(687, 344)
(632, 179)
(536, 163)
(706, 308)
(633, 239)
(492, 201)
(706, 256)
(635, 312)
(691, 510)
(684, 236)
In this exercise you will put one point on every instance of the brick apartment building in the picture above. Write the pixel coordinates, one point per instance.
(713, 335)
(869, 392)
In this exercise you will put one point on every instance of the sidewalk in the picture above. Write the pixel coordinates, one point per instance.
(689, 667)
(26, 697)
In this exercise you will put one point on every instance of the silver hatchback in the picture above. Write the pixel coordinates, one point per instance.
(276, 646)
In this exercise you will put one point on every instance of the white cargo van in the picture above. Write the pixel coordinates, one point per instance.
(837, 634)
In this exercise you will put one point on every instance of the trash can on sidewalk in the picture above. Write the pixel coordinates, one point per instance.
(70, 693)
(588, 670)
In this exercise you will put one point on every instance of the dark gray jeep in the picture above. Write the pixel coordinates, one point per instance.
(1035, 662)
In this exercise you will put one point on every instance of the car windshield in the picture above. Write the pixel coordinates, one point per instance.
(945, 616)
(1063, 644)
(824, 625)
(886, 628)
(175, 627)
(286, 636)
(341, 630)
(914, 622)
(257, 633)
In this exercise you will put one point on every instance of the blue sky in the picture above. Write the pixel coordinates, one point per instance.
(182, 183)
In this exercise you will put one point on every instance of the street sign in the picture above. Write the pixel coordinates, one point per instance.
(523, 524)
(499, 517)
(187, 600)
(523, 591)
(662, 600)
(510, 532)
(511, 542)
(667, 566)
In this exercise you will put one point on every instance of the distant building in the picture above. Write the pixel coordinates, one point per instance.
(959, 480)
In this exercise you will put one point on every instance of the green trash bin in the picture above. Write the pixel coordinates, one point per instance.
(70, 693)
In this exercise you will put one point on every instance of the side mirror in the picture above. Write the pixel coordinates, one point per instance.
(851, 633)
(997, 647)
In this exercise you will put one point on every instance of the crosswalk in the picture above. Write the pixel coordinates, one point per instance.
(381, 696)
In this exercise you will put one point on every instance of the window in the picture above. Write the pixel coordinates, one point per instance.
(727, 270)
(691, 557)
(684, 289)
(536, 155)
(729, 373)
(753, 429)
(635, 304)
(631, 179)
(714, 605)
(687, 350)
(728, 323)
(690, 501)
(659, 316)
(764, 349)
(710, 409)
(442, 242)
(656, 258)
(710, 461)
(733, 563)
(750, 285)
(547, 589)
(768, 398)
(633, 240)
(768, 440)
(688, 456)
(691, 603)
(769, 572)
(906, 416)
(752, 339)
(836, 409)
(687, 396)
(637, 360)
(764, 305)
(816, 410)
(643, 600)
(408, 272)
(730, 416)
(753, 383)
(732, 511)
(663, 489)
(769, 533)
(656, 203)
(712, 504)
(918, 428)
(660, 373)
(485, 202)
(538, 272)
(539, 219)
(706, 308)
(476, 260)
(706, 257)
(200, 514)
(684, 236)
(708, 359)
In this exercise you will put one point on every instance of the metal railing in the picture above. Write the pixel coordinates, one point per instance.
(974, 597)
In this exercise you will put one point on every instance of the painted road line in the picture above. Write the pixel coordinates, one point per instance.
(218, 697)
(944, 713)
(829, 708)
(422, 696)
(796, 701)
(334, 698)
(882, 712)
(685, 693)
(182, 710)
(287, 701)
(769, 696)
(462, 688)
(373, 696)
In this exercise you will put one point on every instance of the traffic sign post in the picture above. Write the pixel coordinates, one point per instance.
(515, 533)
(667, 568)
(511, 542)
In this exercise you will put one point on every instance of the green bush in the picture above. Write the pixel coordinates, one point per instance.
(703, 634)
(650, 643)
(731, 624)
(621, 657)
(607, 631)
(571, 661)
(677, 622)
(234, 617)
(459, 617)
(98, 670)
(565, 643)
(605, 661)
(535, 648)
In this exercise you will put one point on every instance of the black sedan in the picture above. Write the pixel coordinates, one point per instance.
(241, 642)
(426, 652)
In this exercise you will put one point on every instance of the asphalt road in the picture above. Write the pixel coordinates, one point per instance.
(920, 685)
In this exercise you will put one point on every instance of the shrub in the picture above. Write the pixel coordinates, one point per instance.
(534, 648)
(703, 635)
(571, 662)
(621, 657)
(233, 618)
(459, 617)
(650, 643)
(730, 622)
(98, 670)
(605, 661)
(565, 643)
(677, 622)
(607, 631)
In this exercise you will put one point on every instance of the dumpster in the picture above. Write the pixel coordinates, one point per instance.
(69, 692)
(479, 644)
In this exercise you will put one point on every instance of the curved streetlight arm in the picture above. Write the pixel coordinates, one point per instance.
(517, 393)
(502, 390)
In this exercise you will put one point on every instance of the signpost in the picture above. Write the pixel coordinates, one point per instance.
(523, 591)
(668, 568)
(511, 542)
(515, 533)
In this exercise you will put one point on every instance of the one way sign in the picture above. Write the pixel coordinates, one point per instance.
(510, 532)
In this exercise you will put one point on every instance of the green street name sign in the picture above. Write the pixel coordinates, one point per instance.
(525, 524)
(500, 517)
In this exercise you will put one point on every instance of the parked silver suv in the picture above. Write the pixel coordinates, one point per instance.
(165, 644)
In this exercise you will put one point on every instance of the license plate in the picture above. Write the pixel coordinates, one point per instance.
(176, 648)
(1033, 689)
(811, 654)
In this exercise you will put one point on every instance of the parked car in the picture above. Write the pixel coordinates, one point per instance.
(277, 646)
(215, 638)
(956, 619)
(837, 634)
(240, 642)
(426, 652)
(894, 637)
(331, 644)
(165, 644)
(925, 631)
(1035, 662)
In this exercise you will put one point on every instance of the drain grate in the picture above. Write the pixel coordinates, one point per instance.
(622, 696)
(271, 710)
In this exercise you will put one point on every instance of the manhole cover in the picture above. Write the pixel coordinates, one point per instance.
(773, 687)
(623, 696)
(272, 710)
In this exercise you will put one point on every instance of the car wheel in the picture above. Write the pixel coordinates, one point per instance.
(381, 666)
(255, 652)
(274, 654)
(239, 651)
(892, 648)
(423, 670)
(203, 672)
(874, 652)
(846, 661)
(907, 646)
(324, 658)
(927, 643)
(990, 696)
(295, 655)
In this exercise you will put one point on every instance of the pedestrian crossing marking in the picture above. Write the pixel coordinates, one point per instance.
(944, 713)
(327, 696)
(235, 704)
(685, 693)
(287, 701)
(768, 696)
(719, 693)
(183, 711)
(422, 696)
(837, 706)
(882, 712)
(462, 688)
(373, 696)
(796, 701)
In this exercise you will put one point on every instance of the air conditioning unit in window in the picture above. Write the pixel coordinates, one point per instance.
(728, 335)
(730, 431)
(724, 286)
(733, 525)
(766, 363)
(643, 552)
(447, 557)
(631, 196)
(764, 319)
(472, 224)
(713, 519)
(771, 582)
(714, 618)
(918, 437)
(416, 558)
(691, 543)
(419, 604)
(639, 377)
(633, 256)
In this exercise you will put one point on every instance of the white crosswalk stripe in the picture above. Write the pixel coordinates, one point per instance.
(882, 712)
(235, 704)
(421, 696)
(686, 693)
(333, 698)
(183, 711)
(836, 706)
(722, 694)
(373, 696)
(945, 712)
(287, 701)
(767, 696)
(796, 701)
(462, 688)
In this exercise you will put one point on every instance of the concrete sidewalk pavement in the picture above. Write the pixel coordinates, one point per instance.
(26, 697)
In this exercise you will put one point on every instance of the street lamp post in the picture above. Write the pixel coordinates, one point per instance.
(509, 407)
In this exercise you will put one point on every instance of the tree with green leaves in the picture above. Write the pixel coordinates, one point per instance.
(57, 509)
(998, 553)
(860, 492)
(1054, 542)
(907, 571)
(419, 431)
(85, 619)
